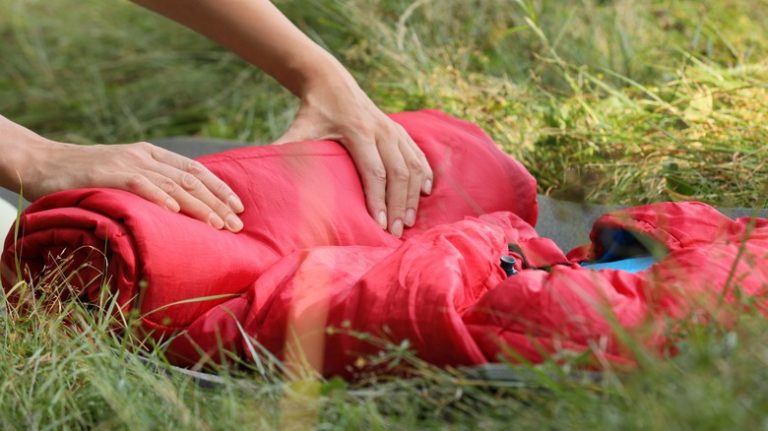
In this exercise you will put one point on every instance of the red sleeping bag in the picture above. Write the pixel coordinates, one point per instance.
(311, 258)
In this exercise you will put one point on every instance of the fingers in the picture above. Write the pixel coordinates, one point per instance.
(194, 198)
(398, 177)
(373, 176)
(415, 184)
(408, 174)
(421, 178)
(429, 176)
(198, 192)
(394, 172)
(211, 182)
(139, 184)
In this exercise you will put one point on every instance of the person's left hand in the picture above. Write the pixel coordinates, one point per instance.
(393, 169)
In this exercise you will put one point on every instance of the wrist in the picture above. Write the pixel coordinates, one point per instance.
(20, 163)
(319, 75)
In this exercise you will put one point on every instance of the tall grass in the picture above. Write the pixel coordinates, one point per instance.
(620, 100)
(628, 101)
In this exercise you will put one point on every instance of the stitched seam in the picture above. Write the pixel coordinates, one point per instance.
(226, 157)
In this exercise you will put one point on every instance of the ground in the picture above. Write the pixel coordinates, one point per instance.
(625, 101)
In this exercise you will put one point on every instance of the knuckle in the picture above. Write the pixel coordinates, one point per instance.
(221, 189)
(189, 181)
(420, 156)
(220, 208)
(168, 185)
(361, 128)
(395, 209)
(416, 167)
(428, 172)
(379, 174)
(134, 182)
(138, 152)
(144, 146)
(396, 129)
(141, 149)
(194, 167)
(400, 173)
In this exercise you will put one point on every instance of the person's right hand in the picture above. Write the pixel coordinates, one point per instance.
(393, 170)
(158, 175)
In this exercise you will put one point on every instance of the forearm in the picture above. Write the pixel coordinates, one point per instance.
(36, 166)
(258, 32)
(19, 148)
(392, 168)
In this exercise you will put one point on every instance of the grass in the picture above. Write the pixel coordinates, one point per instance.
(621, 101)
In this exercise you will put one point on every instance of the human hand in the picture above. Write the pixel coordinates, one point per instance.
(393, 169)
(165, 178)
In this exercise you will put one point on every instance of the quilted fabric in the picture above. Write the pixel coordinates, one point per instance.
(312, 271)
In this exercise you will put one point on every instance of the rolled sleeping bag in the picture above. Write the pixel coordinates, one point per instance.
(172, 269)
(313, 279)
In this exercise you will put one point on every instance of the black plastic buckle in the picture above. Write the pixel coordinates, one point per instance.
(508, 265)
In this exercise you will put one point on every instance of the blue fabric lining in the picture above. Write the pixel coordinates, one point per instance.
(621, 251)
(619, 244)
(633, 265)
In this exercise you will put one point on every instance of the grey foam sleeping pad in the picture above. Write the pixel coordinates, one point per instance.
(567, 223)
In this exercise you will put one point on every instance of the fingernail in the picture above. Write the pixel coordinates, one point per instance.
(234, 223)
(410, 217)
(215, 221)
(428, 187)
(172, 205)
(397, 228)
(381, 219)
(236, 204)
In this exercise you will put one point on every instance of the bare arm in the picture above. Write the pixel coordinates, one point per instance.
(393, 169)
(37, 166)
(258, 32)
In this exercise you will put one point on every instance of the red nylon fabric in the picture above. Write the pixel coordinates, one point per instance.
(310, 257)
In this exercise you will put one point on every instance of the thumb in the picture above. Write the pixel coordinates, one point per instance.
(301, 129)
(293, 134)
